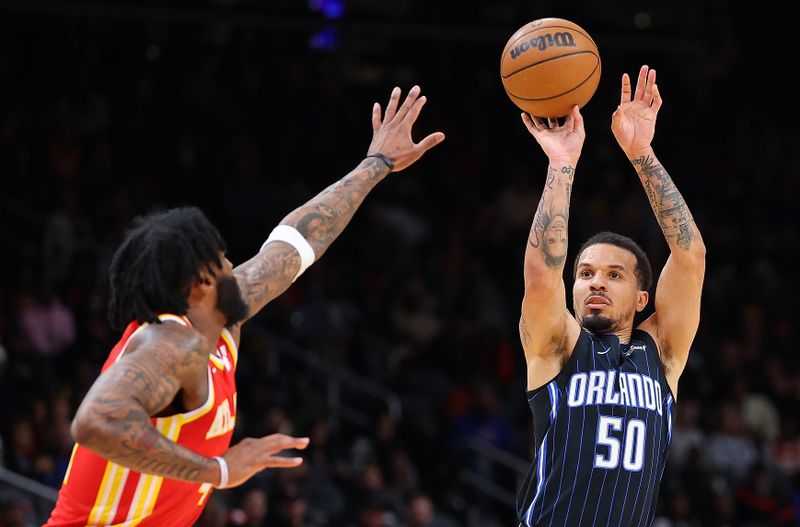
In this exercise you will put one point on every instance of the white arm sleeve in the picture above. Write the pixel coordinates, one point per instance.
(290, 235)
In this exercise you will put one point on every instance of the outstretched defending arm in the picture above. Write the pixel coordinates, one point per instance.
(307, 232)
(677, 301)
(547, 329)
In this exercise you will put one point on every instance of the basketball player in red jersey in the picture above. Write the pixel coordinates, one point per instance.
(154, 430)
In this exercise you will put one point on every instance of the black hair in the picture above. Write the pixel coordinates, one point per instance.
(644, 273)
(153, 269)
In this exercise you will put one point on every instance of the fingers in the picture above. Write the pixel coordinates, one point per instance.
(528, 122)
(648, 87)
(413, 113)
(625, 96)
(411, 98)
(575, 119)
(430, 141)
(537, 124)
(277, 442)
(640, 83)
(391, 108)
(376, 117)
(282, 462)
(656, 98)
(534, 124)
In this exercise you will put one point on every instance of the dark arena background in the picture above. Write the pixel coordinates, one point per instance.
(398, 352)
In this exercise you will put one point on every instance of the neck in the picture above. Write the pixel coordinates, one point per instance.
(624, 335)
(209, 324)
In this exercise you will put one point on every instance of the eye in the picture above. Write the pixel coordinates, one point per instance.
(585, 274)
(615, 274)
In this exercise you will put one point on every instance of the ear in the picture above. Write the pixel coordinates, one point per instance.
(203, 283)
(641, 301)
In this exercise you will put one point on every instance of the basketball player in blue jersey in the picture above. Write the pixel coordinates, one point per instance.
(602, 391)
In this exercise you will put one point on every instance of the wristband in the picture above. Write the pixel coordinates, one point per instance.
(223, 471)
(290, 235)
(383, 158)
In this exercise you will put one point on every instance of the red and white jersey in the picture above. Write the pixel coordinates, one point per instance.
(98, 492)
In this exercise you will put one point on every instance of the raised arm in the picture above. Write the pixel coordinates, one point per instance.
(114, 419)
(547, 329)
(323, 218)
(677, 300)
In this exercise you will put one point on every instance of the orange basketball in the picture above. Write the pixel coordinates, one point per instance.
(550, 65)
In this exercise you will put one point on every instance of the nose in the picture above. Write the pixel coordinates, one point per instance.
(597, 283)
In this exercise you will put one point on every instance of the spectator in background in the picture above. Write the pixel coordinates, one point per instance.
(291, 509)
(215, 514)
(46, 325)
(15, 510)
(687, 436)
(730, 449)
(253, 512)
(484, 421)
(374, 511)
(759, 415)
(422, 513)
(678, 513)
(67, 235)
(22, 448)
(786, 450)
(761, 503)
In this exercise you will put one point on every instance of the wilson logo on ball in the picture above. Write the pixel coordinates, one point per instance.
(549, 66)
(560, 39)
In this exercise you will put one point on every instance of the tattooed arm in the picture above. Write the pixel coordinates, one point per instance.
(677, 300)
(164, 363)
(114, 418)
(547, 330)
(322, 219)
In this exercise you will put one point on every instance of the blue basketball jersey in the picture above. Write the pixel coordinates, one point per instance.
(602, 430)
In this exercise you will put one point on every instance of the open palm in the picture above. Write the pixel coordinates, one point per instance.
(634, 121)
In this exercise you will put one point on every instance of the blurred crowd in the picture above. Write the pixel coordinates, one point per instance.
(102, 120)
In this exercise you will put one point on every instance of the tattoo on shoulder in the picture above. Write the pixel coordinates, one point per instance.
(136, 388)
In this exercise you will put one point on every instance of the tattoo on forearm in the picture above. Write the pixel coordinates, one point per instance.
(667, 202)
(323, 218)
(549, 229)
(121, 406)
(320, 221)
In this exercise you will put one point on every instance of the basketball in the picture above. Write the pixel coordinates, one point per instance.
(550, 65)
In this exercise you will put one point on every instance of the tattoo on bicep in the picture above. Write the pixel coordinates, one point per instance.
(667, 202)
(267, 275)
(134, 390)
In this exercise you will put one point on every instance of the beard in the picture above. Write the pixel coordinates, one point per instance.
(229, 300)
(596, 323)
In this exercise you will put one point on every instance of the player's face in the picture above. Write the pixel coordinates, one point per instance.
(606, 293)
(229, 296)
